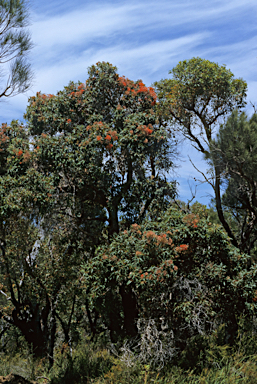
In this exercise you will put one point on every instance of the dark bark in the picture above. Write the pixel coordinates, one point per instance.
(231, 329)
(33, 333)
(92, 322)
(130, 310)
(66, 326)
(35, 326)
(115, 326)
(113, 220)
(52, 339)
(220, 210)
(113, 209)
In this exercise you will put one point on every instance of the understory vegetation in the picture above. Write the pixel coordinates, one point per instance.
(208, 361)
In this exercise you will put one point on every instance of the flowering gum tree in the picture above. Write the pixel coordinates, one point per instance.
(107, 155)
(104, 146)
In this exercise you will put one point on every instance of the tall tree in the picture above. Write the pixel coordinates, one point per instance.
(92, 160)
(107, 153)
(15, 43)
(102, 143)
(38, 266)
(199, 94)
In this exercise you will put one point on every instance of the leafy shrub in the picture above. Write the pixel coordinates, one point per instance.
(87, 362)
(181, 269)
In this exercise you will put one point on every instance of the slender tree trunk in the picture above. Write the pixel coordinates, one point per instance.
(130, 310)
(113, 220)
(219, 208)
(231, 329)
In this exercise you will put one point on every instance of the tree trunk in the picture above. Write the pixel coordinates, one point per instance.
(220, 210)
(130, 310)
(37, 334)
(113, 220)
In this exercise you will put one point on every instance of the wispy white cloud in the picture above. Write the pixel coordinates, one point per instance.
(107, 21)
(135, 36)
(143, 60)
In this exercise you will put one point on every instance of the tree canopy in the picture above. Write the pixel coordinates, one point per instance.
(102, 145)
(198, 95)
(181, 269)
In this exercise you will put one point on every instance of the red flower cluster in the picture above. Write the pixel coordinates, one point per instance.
(27, 156)
(150, 235)
(80, 91)
(162, 239)
(182, 248)
(191, 220)
(3, 137)
(138, 88)
(142, 88)
(113, 135)
(125, 82)
(81, 86)
(146, 130)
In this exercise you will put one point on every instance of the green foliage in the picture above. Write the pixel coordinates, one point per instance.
(91, 363)
(38, 262)
(199, 93)
(235, 153)
(76, 170)
(109, 149)
(181, 268)
(93, 243)
(36, 271)
(86, 363)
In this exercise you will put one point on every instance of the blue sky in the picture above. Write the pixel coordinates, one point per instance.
(144, 39)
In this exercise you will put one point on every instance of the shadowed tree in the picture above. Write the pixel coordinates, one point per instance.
(234, 152)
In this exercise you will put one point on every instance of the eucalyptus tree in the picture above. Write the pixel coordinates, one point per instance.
(91, 161)
(197, 96)
(102, 143)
